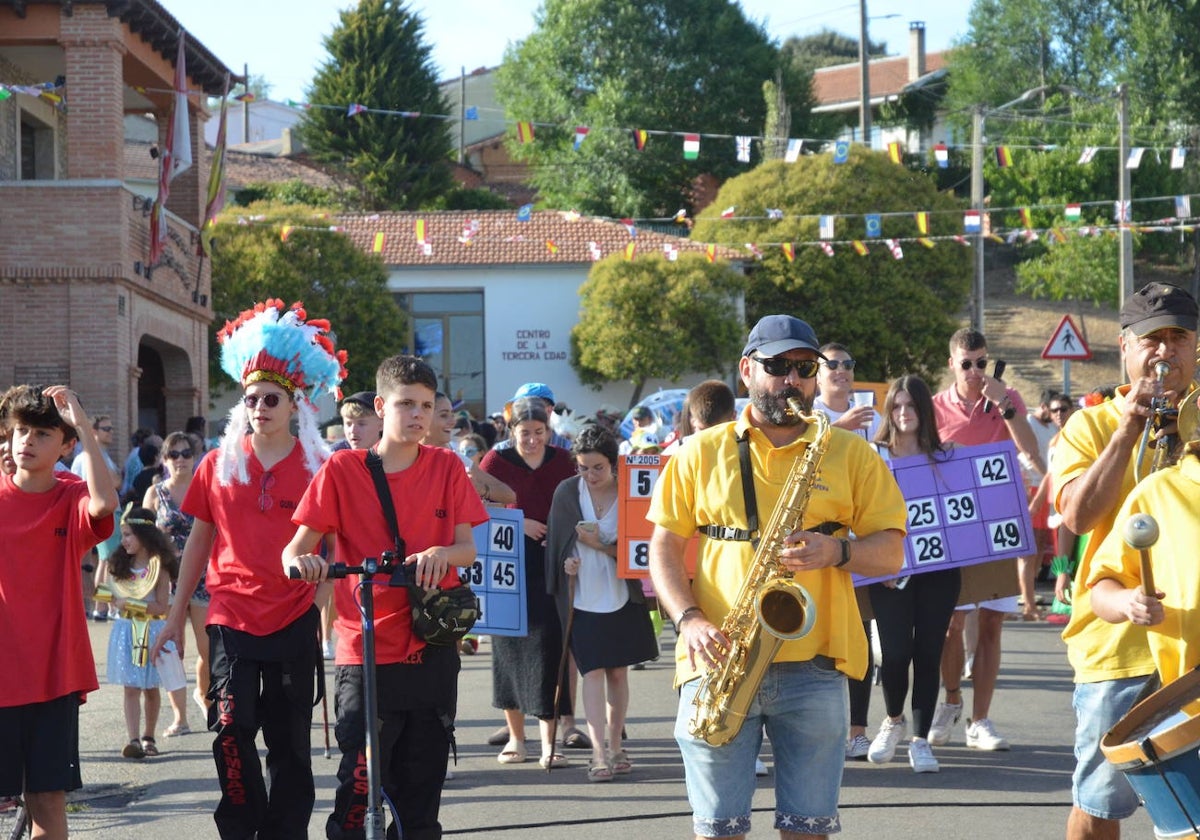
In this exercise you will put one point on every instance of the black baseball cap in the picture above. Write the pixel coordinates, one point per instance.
(1156, 306)
(364, 398)
(777, 334)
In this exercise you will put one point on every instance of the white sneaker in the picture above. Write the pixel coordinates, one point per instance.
(920, 757)
(982, 735)
(891, 733)
(760, 768)
(944, 718)
(858, 747)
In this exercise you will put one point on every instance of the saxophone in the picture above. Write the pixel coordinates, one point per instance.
(769, 600)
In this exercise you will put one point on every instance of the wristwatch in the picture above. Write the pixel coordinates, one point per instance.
(1007, 409)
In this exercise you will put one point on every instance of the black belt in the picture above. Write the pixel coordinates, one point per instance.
(724, 532)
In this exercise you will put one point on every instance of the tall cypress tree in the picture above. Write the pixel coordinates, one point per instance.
(378, 59)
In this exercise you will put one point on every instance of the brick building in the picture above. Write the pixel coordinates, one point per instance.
(78, 303)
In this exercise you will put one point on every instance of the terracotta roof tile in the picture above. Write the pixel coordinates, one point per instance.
(888, 76)
(502, 240)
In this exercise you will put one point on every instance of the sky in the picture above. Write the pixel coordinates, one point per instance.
(283, 41)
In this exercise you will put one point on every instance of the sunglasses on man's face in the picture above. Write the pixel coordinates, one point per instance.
(779, 366)
(269, 400)
(966, 364)
(176, 454)
(104, 428)
(834, 364)
(1059, 409)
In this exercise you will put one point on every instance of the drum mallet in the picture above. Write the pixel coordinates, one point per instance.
(1141, 532)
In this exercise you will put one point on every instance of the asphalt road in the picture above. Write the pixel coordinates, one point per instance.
(1023, 793)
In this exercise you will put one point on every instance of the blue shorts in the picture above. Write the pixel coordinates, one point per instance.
(1097, 786)
(805, 710)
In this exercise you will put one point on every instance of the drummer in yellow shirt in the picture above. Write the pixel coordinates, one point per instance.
(1115, 578)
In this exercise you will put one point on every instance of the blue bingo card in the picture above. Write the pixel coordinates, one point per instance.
(498, 574)
(969, 508)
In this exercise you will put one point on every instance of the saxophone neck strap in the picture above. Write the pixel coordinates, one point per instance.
(750, 534)
(748, 495)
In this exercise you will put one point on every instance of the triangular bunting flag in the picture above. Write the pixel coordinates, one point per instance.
(639, 138)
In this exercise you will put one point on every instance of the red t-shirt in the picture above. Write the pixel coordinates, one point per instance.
(534, 488)
(47, 652)
(972, 426)
(431, 497)
(253, 522)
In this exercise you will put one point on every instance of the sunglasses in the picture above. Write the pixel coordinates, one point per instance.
(779, 366)
(834, 364)
(965, 364)
(1059, 409)
(104, 428)
(265, 500)
(179, 453)
(269, 400)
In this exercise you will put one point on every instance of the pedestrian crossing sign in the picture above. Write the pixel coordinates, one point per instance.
(1067, 342)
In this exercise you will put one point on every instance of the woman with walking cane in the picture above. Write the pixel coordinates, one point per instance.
(610, 625)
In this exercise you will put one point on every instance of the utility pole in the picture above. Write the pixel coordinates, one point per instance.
(864, 62)
(1123, 198)
(462, 114)
(246, 104)
(977, 206)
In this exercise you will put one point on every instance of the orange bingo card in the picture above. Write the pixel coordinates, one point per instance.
(636, 477)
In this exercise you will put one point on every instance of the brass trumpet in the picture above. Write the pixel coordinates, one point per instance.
(1186, 419)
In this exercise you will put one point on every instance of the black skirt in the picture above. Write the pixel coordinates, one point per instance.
(613, 640)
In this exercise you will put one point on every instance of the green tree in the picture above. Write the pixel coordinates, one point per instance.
(1080, 269)
(378, 58)
(322, 268)
(664, 65)
(897, 314)
(826, 48)
(653, 318)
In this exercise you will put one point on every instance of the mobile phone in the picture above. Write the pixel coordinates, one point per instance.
(997, 373)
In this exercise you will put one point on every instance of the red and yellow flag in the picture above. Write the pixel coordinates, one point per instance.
(710, 251)
(860, 248)
(551, 246)
(922, 222)
(639, 138)
(894, 152)
(1026, 218)
(525, 132)
(630, 250)
(789, 251)
(285, 232)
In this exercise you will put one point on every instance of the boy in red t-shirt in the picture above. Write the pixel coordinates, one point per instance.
(263, 630)
(49, 523)
(436, 507)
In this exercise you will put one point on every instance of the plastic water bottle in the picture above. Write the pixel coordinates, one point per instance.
(170, 668)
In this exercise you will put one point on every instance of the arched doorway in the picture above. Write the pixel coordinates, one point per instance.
(151, 390)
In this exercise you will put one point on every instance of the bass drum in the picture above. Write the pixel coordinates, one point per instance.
(1157, 747)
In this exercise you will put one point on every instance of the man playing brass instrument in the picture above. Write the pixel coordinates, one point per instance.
(802, 701)
(1094, 466)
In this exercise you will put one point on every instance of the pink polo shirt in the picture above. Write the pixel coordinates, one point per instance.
(971, 425)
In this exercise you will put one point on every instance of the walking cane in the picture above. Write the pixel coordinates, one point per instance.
(562, 667)
(325, 715)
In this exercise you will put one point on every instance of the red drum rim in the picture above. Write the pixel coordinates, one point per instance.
(1123, 745)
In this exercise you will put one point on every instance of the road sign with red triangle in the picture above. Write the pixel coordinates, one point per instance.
(1066, 342)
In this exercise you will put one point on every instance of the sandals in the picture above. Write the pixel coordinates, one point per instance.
(149, 748)
(513, 753)
(620, 764)
(134, 749)
(599, 773)
(177, 729)
(575, 740)
(553, 760)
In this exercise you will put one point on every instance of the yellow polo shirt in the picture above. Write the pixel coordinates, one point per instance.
(1172, 496)
(1096, 649)
(702, 485)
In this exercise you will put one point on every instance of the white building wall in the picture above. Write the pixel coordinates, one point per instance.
(528, 315)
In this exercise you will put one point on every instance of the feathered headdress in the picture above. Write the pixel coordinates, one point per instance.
(274, 343)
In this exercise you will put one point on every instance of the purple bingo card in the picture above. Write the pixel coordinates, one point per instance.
(969, 508)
